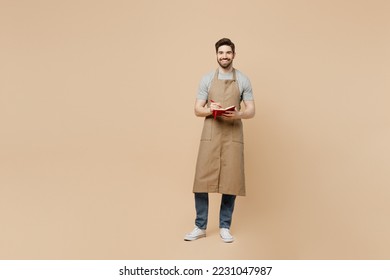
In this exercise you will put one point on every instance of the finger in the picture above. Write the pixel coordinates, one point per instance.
(217, 104)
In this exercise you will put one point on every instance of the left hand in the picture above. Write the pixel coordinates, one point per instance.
(232, 115)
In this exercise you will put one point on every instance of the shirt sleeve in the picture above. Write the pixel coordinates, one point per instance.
(204, 86)
(247, 92)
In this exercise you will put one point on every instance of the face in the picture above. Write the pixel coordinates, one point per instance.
(225, 56)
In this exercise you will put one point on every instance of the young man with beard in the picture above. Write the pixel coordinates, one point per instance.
(220, 163)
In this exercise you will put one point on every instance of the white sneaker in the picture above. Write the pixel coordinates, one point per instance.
(196, 233)
(225, 235)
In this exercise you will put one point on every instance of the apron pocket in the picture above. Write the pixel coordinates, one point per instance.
(207, 130)
(237, 133)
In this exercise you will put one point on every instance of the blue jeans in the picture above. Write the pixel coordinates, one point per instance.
(202, 210)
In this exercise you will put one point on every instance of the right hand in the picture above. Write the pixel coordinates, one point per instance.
(214, 105)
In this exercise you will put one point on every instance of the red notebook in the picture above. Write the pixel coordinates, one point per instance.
(220, 111)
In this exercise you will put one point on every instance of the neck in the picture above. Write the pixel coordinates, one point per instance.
(226, 70)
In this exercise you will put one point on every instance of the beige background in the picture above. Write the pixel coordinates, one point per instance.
(99, 140)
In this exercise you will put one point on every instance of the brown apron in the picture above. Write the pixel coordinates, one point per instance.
(220, 164)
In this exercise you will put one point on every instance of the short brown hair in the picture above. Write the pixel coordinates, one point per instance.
(225, 42)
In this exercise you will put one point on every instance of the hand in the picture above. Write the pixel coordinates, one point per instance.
(232, 115)
(214, 106)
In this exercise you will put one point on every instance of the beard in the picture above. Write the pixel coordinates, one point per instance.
(225, 63)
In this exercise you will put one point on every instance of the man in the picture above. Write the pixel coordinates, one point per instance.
(220, 163)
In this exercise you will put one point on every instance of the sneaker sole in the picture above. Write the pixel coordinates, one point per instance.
(227, 240)
(194, 238)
